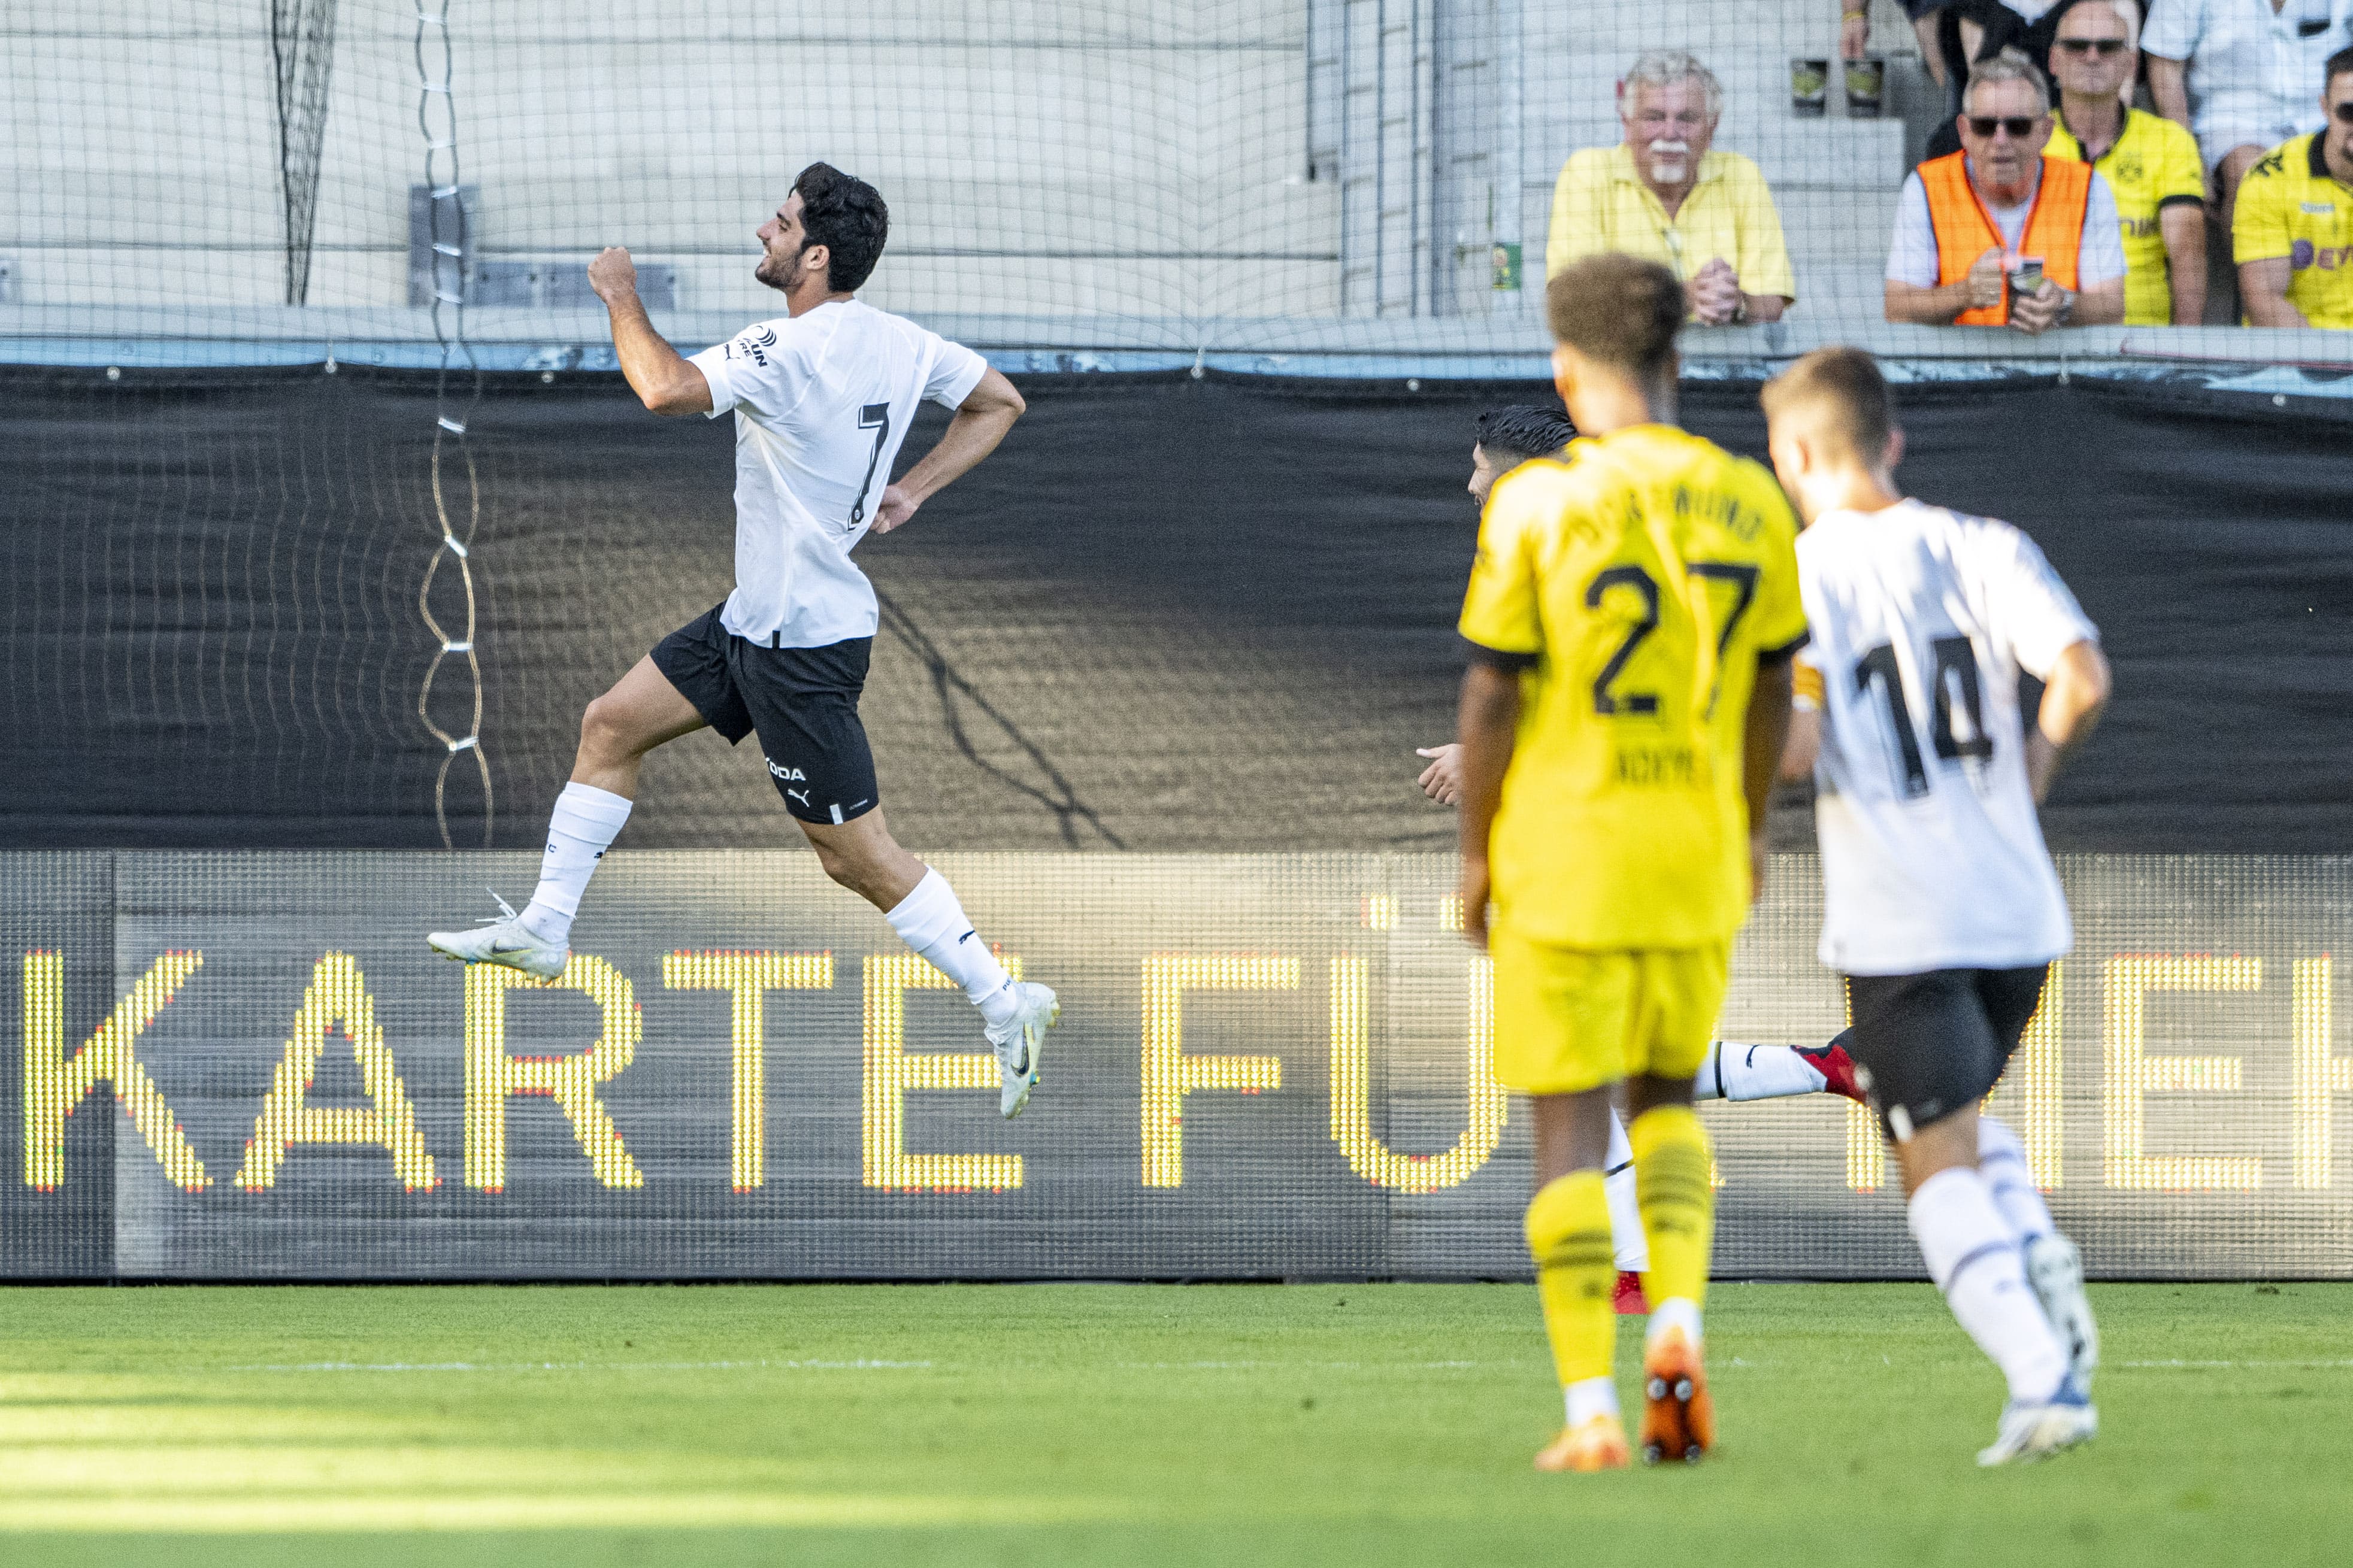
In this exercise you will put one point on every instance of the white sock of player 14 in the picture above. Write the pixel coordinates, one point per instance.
(1735, 1071)
(2001, 1161)
(582, 826)
(1632, 1247)
(930, 921)
(1974, 1261)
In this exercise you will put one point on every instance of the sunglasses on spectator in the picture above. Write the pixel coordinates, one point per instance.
(2344, 112)
(2019, 126)
(2092, 45)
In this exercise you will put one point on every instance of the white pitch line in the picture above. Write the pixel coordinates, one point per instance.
(1307, 1365)
(2228, 1365)
(588, 1366)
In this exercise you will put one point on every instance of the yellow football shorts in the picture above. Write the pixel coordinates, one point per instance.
(1569, 1019)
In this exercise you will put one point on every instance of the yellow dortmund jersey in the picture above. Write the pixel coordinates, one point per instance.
(1643, 573)
(2291, 205)
(2153, 166)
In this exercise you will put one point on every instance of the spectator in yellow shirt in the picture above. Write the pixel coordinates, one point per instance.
(1664, 195)
(2294, 234)
(2150, 163)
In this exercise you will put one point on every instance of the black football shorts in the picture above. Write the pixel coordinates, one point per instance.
(1931, 1044)
(802, 701)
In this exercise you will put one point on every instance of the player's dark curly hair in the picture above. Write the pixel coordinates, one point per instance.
(846, 216)
(1514, 435)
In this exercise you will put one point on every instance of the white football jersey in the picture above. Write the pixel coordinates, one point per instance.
(822, 403)
(1932, 854)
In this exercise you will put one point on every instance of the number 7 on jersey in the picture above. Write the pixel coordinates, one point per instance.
(874, 416)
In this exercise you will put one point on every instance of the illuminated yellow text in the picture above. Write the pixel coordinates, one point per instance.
(751, 976)
(1169, 1075)
(2044, 1123)
(893, 1070)
(337, 995)
(570, 1080)
(2319, 1076)
(55, 1083)
(1352, 1088)
(2132, 1073)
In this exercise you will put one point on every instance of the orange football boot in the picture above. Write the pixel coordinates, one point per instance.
(1598, 1445)
(1678, 1417)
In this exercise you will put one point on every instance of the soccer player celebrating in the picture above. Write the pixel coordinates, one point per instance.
(1506, 438)
(823, 396)
(1632, 617)
(1941, 905)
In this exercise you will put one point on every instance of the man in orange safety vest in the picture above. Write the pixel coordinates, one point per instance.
(1997, 234)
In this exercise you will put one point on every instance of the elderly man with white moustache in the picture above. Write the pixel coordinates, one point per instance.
(1665, 194)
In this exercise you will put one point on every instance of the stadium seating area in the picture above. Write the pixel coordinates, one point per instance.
(1083, 172)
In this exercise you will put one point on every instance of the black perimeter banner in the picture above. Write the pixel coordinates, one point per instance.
(1169, 614)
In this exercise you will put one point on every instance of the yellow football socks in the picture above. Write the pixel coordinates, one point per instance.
(1576, 1272)
(1671, 1162)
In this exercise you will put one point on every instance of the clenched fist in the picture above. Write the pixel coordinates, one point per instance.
(613, 275)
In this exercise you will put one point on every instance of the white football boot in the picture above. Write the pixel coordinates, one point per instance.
(2030, 1432)
(2055, 1269)
(1018, 1041)
(503, 941)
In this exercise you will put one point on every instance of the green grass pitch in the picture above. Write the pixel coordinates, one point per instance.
(1099, 1423)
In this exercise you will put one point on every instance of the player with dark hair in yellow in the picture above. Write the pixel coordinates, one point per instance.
(1632, 617)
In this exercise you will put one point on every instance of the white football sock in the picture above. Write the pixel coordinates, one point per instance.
(1974, 1261)
(1674, 1312)
(1594, 1397)
(1626, 1235)
(582, 826)
(930, 921)
(2001, 1161)
(1735, 1071)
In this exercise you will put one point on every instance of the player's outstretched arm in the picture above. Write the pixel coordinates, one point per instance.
(663, 379)
(2073, 701)
(981, 421)
(1489, 723)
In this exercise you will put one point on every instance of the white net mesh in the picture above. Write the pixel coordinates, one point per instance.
(1086, 174)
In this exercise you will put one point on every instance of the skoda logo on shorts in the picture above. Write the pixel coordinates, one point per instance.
(790, 776)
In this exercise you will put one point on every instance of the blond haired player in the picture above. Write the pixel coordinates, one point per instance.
(1940, 903)
(1632, 617)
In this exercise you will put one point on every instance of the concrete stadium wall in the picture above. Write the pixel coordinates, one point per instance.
(1053, 157)
(1049, 156)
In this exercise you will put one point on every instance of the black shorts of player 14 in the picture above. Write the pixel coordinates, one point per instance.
(834, 385)
(1926, 1044)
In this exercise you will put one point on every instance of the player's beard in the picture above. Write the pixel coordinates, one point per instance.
(1670, 162)
(764, 272)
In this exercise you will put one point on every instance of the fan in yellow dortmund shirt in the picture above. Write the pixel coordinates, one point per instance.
(2151, 164)
(1632, 615)
(2153, 169)
(2294, 233)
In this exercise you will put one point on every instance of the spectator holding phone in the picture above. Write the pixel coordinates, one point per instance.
(1999, 234)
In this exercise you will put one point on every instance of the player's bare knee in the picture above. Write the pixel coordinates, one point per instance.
(604, 731)
(847, 865)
